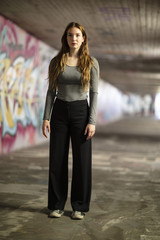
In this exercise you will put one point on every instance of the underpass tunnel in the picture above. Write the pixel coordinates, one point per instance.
(123, 35)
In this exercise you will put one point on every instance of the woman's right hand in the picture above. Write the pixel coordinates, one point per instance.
(45, 125)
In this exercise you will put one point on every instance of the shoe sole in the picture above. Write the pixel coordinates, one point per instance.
(77, 218)
(55, 215)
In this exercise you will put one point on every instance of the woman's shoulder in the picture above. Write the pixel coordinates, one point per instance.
(53, 59)
(96, 64)
(95, 61)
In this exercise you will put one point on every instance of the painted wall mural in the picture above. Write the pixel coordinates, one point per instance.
(23, 84)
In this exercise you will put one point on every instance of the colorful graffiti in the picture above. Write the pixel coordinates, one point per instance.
(23, 84)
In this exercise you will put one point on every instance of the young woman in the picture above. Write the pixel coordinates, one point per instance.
(72, 74)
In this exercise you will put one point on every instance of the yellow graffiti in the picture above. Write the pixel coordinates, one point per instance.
(4, 79)
(17, 87)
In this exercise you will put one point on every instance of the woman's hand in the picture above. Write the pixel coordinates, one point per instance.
(90, 128)
(46, 125)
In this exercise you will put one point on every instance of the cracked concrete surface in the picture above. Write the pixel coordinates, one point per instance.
(125, 201)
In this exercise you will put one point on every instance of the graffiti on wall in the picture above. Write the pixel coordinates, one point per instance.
(23, 69)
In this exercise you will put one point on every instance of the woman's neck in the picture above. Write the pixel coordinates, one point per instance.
(73, 53)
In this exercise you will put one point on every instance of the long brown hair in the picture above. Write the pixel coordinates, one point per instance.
(58, 62)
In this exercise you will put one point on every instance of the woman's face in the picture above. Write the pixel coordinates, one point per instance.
(74, 38)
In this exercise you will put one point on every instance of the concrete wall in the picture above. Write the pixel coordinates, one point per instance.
(23, 84)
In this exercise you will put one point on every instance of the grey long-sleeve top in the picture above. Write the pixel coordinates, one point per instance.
(70, 89)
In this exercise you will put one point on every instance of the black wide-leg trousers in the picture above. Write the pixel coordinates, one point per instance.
(68, 121)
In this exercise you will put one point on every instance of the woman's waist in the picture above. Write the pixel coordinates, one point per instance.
(73, 101)
(71, 97)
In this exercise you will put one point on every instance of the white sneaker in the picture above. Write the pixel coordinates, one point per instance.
(77, 215)
(56, 213)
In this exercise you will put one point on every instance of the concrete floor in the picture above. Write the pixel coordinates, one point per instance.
(125, 195)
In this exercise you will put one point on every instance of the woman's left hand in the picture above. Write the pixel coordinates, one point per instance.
(90, 128)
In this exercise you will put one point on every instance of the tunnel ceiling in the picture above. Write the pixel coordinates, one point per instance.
(124, 35)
